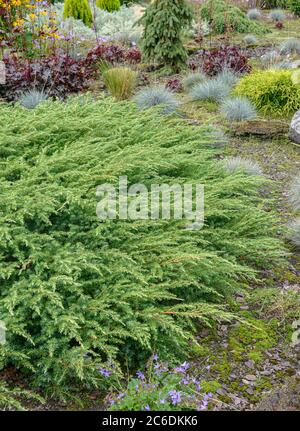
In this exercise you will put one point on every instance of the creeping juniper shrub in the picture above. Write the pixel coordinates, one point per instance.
(79, 294)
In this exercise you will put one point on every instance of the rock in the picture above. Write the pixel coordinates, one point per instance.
(260, 127)
(250, 377)
(294, 133)
(250, 364)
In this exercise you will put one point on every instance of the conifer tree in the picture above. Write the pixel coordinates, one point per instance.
(78, 9)
(164, 22)
(109, 5)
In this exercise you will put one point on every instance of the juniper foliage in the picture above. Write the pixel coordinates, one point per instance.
(76, 292)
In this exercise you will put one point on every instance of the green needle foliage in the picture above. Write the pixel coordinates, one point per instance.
(11, 399)
(78, 9)
(77, 292)
(164, 22)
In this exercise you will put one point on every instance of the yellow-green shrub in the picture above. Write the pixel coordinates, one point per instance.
(109, 5)
(272, 92)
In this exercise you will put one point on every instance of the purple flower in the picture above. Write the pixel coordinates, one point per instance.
(175, 397)
(120, 396)
(160, 368)
(140, 375)
(197, 384)
(147, 408)
(162, 401)
(182, 368)
(204, 403)
(185, 380)
(155, 357)
(104, 372)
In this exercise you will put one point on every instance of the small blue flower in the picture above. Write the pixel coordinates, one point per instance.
(120, 396)
(147, 408)
(185, 380)
(197, 384)
(182, 368)
(104, 372)
(175, 397)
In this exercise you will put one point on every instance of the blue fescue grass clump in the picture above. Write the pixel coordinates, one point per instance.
(276, 15)
(294, 233)
(227, 78)
(157, 96)
(250, 39)
(254, 14)
(238, 109)
(80, 297)
(32, 98)
(214, 89)
(193, 79)
(294, 194)
(211, 90)
(290, 46)
(237, 164)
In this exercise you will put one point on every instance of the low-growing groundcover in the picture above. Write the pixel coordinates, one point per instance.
(273, 92)
(78, 294)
